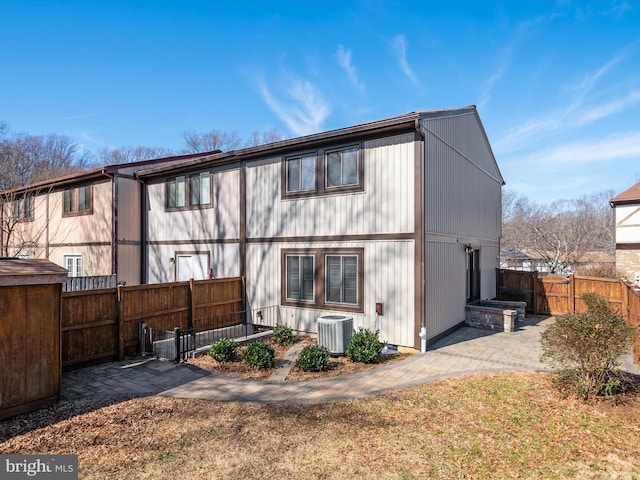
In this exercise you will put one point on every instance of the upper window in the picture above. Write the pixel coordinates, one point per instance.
(342, 167)
(323, 172)
(189, 191)
(301, 173)
(323, 278)
(23, 208)
(78, 201)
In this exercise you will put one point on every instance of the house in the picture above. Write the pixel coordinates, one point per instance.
(89, 222)
(626, 217)
(531, 260)
(395, 222)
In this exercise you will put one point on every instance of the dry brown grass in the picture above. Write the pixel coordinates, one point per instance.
(510, 425)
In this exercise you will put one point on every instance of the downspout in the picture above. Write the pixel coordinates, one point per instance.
(420, 236)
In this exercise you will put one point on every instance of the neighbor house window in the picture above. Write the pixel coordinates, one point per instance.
(301, 173)
(324, 172)
(23, 208)
(323, 278)
(78, 200)
(189, 191)
(73, 264)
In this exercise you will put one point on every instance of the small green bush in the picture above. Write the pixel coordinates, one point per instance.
(224, 350)
(365, 346)
(283, 335)
(260, 355)
(313, 358)
(514, 294)
(585, 349)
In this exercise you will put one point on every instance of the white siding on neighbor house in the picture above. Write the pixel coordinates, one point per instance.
(221, 221)
(385, 206)
(627, 218)
(224, 259)
(388, 278)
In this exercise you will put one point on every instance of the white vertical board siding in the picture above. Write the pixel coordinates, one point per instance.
(224, 258)
(222, 221)
(462, 183)
(385, 206)
(445, 278)
(388, 277)
(489, 261)
(462, 206)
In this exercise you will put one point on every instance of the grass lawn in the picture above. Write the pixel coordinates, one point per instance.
(509, 425)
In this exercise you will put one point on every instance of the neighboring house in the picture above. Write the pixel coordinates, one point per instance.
(529, 260)
(89, 223)
(626, 217)
(404, 212)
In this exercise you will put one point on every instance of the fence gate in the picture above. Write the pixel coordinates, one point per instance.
(176, 344)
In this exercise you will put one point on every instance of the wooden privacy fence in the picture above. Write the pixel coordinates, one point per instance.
(104, 325)
(554, 295)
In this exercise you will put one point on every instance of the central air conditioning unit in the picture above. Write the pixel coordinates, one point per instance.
(334, 333)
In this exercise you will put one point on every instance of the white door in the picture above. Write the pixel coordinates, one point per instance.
(192, 265)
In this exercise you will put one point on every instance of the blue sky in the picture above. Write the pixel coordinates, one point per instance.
(556, 83)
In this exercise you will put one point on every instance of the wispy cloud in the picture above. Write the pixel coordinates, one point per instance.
(505, 55)
(400, 47)
(303, 109)
(81, 115)
(579, 154)
(587, 103)
(344, 60)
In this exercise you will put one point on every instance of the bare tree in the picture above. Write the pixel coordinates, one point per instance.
(27, 159)
(130, 154)
(210, 141)
(562, 233)
(262, 138)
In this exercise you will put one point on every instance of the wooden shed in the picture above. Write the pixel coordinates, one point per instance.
(30, 361)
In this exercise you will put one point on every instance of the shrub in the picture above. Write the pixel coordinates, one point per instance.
(260, 355)
(365, 346)
(514, 294)
(283, 335)
(313, 358)
(584, 349)
(224, 350)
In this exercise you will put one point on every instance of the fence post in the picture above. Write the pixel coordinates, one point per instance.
(176, 335)
(190, 302)
(120, 325)
(572, 293)
(534, 278)
(142, 338)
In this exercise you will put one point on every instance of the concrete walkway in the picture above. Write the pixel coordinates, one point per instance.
(466, 351)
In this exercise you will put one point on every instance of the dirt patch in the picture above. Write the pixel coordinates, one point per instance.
(339, 365)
